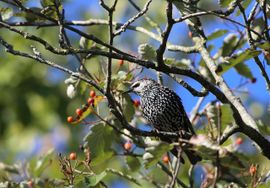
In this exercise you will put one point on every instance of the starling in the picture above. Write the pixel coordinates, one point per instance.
(163, 109)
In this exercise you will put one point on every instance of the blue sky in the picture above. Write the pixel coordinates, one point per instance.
(256, 90)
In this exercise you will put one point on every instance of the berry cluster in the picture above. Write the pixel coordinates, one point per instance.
(80, 111)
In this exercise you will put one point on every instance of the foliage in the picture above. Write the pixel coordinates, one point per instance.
(107, 134)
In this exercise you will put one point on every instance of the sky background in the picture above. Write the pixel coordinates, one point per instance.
(256, 90)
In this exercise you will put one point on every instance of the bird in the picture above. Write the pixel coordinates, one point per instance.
(163, 110)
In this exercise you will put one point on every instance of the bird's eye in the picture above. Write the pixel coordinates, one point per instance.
(136, 85)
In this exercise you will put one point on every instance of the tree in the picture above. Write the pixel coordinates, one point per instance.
(102, 68)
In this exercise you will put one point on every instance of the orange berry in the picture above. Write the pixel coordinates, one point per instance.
(165, 159)
(91, 101)
(79, 111)
(136, 102)
(252, 170)
(128, 146)
(120, 62)
(239, 141)
(92, 93)
(72, 156)
(70, 119)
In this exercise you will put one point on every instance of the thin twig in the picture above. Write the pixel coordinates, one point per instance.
(252, 45)
(195, 109)
(165, 169)
(165, 35)
(133, 19)
(148, 19)
(193, 91)
(176, 168)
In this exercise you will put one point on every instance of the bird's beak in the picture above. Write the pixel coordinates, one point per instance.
(128, 91)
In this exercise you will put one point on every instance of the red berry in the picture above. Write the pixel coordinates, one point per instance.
(30, 184)
(136, 102)
(121, 62)
(165, 159)
(79, 111)
(70, 119)
(266, 55)
(252, 170)
(91, 101)
(239, 141)
(72, 156)
(253, 80)
(92, 93)
(190, 34)
(128, 146)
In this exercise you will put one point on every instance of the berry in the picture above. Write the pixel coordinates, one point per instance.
(163, 109)
(190, 34)
(136, 102)
(266, 55)
(253, 80)
(79, 111)
(72, 156)
(30, 184)
(121, 62)
(239, 141)
(252, 170)
(91, 101)
(128, 146)
(70, 119)
(92, 93)
(165, 159)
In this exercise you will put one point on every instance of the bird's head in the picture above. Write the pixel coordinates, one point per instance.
(142, 85)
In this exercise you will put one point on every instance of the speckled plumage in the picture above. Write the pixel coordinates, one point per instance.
(163, 109)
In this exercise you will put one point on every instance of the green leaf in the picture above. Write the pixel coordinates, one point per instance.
(100, 140)
(229, 43)
(226, 115)
(133, 163)
(258, 26)
(206, 147)
(128, 108)
(236, 161)
(147, 52)
(95, 179)
(217, 34)
(239, 58)
(123, 175)
(31, 17)
(183, 63)
(225, 118)
(265, 45)
(6, 13)
(244, 70)
(225, 3)
(85, 43)
(212, 116)
(43, 163)
(46, 3)
(154, 153)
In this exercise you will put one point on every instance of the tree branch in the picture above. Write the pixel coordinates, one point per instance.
(133, 19)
